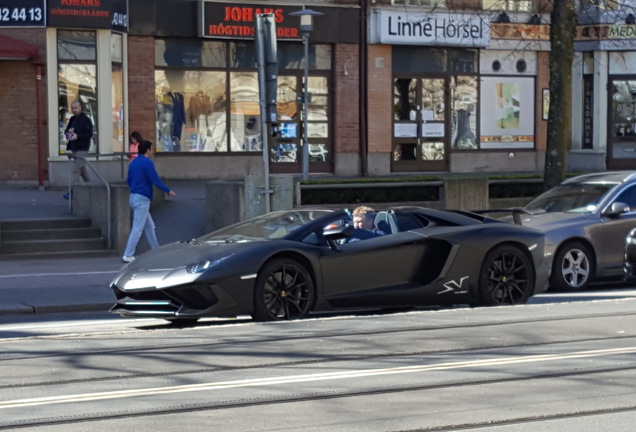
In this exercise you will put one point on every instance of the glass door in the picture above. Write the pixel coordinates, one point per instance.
(420, 124)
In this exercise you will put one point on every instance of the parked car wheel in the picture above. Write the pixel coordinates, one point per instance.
(573, 267)
(284, 291)
(506, 277)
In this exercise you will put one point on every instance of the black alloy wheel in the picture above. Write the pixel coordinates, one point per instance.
(284, 291)
(573, 267)
(506, 277)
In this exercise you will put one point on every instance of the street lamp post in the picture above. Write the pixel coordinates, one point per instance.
(306, 27)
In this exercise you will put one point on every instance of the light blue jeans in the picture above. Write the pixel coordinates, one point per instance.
(142, 222)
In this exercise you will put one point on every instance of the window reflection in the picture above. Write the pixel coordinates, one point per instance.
(404, 152)
(284, 152)
(318, 152)
(202, 109)
(76, 45)
(432, 151)
(77, 79)
(77, 82)
(245, 112)
(433, 100)
(286, 98)
(464, 114)
(404, 93)
(194, 53)
(191, 112)
(118, 109)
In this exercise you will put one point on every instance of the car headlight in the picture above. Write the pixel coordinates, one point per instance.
(202, 266)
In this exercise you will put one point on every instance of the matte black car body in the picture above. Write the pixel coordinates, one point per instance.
(586, 220)
(287, 264)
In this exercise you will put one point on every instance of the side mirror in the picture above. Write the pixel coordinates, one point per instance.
(617, 209)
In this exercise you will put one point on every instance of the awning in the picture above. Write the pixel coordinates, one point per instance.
(12, 49)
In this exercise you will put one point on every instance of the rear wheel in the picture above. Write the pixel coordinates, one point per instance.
(572, 268)
(284, 291)
(506, 277)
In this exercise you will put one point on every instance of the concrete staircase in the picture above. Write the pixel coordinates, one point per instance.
(51, 238)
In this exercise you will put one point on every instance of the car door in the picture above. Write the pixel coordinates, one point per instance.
(372, 272)
(614, 231)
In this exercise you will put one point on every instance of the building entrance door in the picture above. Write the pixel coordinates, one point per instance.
(420, 131)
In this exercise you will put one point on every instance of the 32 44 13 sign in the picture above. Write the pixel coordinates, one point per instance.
(22, 13)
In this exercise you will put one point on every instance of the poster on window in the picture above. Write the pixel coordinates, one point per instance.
(511, 123)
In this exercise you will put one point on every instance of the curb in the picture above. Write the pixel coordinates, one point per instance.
(24, 309)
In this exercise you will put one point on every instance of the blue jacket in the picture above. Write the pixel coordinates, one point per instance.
(142, 175)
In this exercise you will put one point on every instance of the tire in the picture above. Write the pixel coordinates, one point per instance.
(284, 291)
(573, 267)
(506, 277)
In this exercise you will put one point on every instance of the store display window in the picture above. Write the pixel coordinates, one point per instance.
(207, 99)
(77, 80)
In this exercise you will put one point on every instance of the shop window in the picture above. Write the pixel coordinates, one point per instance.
(623, 119)
(510, 5)
(404, 95)
(77, 79)
(462, 61)
(207, 98)
(438, 3)
(243, 55)
(191, 111)
(292, 56)
(117, 86)
(245, 112)
(601, 4)
(405, 151)
(511, 124)
(409, 60)
(189, 53)
(464, 112)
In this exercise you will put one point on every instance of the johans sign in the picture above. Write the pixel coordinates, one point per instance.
(449, 29)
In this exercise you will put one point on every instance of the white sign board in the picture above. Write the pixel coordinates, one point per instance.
(420, 28)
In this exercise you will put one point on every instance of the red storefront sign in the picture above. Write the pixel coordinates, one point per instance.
(227, 20)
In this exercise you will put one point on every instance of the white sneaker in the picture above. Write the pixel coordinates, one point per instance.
(127, 259)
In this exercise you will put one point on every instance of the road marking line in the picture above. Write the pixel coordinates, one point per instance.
(120, 394)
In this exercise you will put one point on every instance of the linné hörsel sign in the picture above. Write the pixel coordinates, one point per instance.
(419, 28)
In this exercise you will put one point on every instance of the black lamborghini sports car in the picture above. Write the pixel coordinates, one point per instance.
(287, 264)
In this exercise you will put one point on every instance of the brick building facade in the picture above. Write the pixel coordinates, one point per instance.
(145, 65)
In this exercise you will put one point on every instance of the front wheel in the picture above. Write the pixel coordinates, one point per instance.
(572, 268)
(506, 277)
(284, 291)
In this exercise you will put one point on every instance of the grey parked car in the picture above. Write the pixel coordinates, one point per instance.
(586, 220)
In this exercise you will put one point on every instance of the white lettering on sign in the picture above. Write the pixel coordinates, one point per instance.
(440, 29)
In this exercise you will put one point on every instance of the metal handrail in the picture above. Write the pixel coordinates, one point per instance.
(70, 191)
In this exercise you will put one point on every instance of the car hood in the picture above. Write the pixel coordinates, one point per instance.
(181, 254)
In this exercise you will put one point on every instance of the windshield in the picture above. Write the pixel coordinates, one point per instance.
(572, 197)
(270, 226)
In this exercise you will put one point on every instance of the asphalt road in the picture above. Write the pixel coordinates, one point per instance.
(553, 365)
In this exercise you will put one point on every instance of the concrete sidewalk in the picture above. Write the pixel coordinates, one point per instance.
(82, 284)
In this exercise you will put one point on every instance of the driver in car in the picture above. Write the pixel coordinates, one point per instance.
(364, 229)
